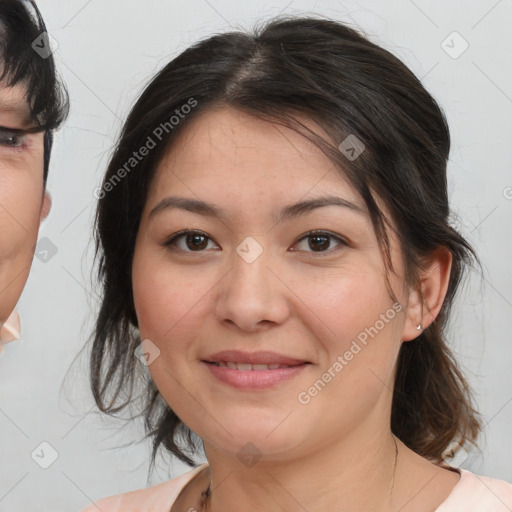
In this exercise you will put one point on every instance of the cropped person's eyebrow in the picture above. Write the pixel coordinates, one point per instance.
(20, 109)
(287, 212)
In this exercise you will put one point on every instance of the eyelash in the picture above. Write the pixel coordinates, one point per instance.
(10, 133)
(343, 243)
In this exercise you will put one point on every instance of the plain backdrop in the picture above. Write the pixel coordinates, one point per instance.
(107, 50)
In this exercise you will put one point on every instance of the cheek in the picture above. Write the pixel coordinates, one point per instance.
(20, 204)
(166, 306)
(345, 300)
(164, 296)
(21, 186)
(358, 325)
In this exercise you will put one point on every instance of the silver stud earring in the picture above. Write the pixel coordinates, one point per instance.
(419, 327)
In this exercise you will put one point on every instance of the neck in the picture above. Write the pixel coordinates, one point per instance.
(312, 482)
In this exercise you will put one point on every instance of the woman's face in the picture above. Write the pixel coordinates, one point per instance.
(22, 201)
(252, 280)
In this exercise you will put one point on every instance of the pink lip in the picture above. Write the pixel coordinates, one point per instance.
(261, 357)
(253, 379)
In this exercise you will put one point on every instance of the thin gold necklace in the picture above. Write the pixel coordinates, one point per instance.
(394, 470)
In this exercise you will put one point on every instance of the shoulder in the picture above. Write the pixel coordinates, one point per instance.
(158, 498)
(476, 493)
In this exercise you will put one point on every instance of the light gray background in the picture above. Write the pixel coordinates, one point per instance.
(107, 51)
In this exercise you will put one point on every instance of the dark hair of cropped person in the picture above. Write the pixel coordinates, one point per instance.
(288, 69)
(21, 24)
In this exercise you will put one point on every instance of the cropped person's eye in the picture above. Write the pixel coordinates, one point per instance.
(196, 241)
(12, 138)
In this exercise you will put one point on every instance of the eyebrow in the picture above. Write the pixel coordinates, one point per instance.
(20, 109)
(288, 212)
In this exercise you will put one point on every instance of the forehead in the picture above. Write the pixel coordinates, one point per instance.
(233, 146)
(13, 104)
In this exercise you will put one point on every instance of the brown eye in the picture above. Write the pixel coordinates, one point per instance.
(194, 241)
(320, 241)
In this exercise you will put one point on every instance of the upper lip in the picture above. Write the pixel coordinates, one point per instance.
(261, 357)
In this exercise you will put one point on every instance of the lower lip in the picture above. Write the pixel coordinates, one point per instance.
(254, 379)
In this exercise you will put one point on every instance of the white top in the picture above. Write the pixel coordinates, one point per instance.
(472, 493)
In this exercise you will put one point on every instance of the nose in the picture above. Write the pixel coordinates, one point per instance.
(252, 296)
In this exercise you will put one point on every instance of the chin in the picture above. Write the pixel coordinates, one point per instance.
(274, 441)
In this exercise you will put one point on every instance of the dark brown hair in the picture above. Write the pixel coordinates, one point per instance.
(287, 69)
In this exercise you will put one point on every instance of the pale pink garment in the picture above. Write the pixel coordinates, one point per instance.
(471, 494)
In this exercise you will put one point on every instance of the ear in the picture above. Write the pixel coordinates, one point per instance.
(45, 207)
(426, 300)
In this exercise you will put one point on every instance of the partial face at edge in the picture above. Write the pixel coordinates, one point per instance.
(22, 200)
(303, 297)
